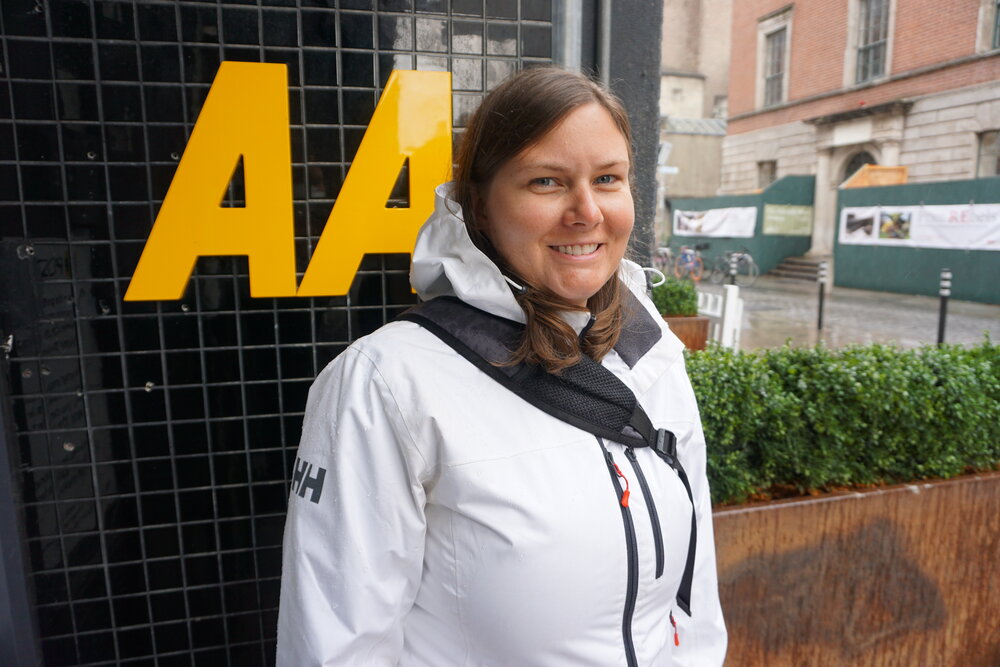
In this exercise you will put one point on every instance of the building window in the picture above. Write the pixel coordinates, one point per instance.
(774, 68)
(996, 25)
(873, 32)
(767, 173)
(989, 154)
(774, 39)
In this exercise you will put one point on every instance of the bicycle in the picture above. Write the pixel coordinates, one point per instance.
(689, 263)
(663, 260)
(746, 268)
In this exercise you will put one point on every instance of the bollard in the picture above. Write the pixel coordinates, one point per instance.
(732, 268)
(821, 279)
(944, 290)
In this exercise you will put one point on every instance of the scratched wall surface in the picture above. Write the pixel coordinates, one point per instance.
(154, 442)
(908, 575)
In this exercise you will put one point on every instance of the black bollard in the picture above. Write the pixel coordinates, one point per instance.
(821, 279)
(944, 290)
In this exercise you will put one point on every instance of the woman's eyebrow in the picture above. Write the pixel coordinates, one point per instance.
(549, 166)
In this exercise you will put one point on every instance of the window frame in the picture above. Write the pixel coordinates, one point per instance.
(993, 155)
(857, 43)
(768, 26)
(872, 40)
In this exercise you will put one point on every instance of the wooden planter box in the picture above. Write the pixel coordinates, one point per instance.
(692, 330)
(905, 575)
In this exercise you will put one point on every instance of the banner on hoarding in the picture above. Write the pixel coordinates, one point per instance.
(719, 222)
(954, 227)
(788, 220)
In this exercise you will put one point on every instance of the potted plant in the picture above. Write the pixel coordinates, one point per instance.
(677, 301)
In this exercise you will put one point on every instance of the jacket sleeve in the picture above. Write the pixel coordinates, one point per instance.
(703, 637)
(354, 535)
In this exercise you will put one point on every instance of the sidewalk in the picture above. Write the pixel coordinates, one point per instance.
(776, 310)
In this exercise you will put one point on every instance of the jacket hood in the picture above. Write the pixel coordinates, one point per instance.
(447, 263)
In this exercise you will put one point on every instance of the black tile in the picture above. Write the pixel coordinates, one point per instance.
(501, 9)
(196, 506)
(201, 570)
(395, 32)
(128, 184)
(54, 621)
(22, 17)
(124, 143)
(133, 607)
(92, 615)
(87, 584)
(121, 103)
(134, 643)
(281, 28)
(115, 20)
(97, 647)
(60, 652)
(164, 104)
(536, 41)
(431, 6)
(536, 10)
(82, 142)
(358, 107)
(467, 7)
(171, 638)
(240, 26)
(199, 24)
(157, 22)
(77, 101)
(201, 63)
(29, 59)
(83, 550)
(37, 142)
(395, 5)
(319, 28)
(319, 67)
(160, 63)
(161, 542)
(163, 574)
(33, 101)
(357, 31)
(85, 183)
(70, 18)
(41, 183)
(74, 60)
(118, 62)
(357, 69)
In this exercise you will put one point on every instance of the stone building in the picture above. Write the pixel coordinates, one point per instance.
(820, 87)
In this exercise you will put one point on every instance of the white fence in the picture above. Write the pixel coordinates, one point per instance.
(725, 312)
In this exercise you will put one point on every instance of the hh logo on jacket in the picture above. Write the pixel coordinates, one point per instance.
(304, 480)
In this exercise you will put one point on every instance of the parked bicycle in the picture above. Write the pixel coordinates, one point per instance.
(746, 269)
(689, 263)
(663, 260)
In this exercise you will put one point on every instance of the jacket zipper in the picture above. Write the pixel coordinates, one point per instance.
(654, 519)
(632, 587)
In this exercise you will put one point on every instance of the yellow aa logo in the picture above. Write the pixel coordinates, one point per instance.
(246, 117)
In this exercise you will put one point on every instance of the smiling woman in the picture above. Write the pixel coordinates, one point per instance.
(463, 524)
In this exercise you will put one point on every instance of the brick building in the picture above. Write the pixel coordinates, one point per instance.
(820, 87)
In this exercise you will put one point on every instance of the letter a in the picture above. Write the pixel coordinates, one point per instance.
(245, 114)
(412, 120)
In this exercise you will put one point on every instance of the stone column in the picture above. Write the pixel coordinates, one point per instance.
(824, 204)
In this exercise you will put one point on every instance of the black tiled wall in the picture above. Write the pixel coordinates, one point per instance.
(153, 440)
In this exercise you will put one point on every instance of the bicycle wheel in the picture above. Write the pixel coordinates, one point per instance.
(680, 268)
(719, 271)
(696, 269)
(746, 272)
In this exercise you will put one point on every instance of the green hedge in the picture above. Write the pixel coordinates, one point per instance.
(815, 418)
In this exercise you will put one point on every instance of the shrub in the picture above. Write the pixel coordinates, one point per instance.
(676, 297)
(815, 418)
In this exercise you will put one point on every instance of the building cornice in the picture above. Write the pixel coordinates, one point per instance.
(869, 84)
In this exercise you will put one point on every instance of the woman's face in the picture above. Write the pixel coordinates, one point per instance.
(560, 212)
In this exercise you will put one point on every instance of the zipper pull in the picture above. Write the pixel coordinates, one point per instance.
(625, 492)
(677, 637)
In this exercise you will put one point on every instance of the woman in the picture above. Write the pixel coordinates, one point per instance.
(437, 518)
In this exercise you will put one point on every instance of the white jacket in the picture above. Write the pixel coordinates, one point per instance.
(437, 519)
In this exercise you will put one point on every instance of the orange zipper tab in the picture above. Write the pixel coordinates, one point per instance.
(677, 637)
(625, 492)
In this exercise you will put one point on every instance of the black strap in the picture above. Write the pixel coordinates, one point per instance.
(586, 394)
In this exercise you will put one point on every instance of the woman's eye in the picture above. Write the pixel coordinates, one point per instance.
(606, 179)
(544, 182)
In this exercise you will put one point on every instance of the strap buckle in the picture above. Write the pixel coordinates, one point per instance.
(666, 445)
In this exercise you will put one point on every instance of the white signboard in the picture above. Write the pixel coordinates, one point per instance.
(956, 227)
(728, 222)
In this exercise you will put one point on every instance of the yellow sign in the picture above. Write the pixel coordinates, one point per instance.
(246, 117)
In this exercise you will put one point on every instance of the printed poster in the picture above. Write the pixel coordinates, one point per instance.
(737, 222)
(788, 220)
(953, 227)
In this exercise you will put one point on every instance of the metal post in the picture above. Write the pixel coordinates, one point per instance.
(732, 269)
(944, 291)
(821, 279)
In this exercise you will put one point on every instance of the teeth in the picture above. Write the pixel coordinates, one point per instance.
(577, 249)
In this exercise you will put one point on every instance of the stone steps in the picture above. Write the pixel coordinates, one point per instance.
(798, 268)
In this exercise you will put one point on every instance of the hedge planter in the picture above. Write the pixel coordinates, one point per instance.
(692, 330)
(903, 575)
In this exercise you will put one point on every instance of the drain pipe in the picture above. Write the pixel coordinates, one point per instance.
(604, 42)
(568, 33)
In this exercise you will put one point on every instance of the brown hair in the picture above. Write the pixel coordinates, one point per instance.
(516, 114)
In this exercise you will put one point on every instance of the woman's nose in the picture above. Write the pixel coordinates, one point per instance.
(584, 209)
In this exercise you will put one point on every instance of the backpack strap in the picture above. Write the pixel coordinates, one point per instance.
(586, 394)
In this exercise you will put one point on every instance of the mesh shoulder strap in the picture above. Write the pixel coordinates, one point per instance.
(586, 395)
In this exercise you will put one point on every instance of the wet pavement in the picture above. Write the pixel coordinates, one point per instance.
(780, 310)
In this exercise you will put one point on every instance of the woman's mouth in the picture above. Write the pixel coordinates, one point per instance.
(577, 250)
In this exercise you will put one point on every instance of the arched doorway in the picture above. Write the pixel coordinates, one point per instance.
(857, 161)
